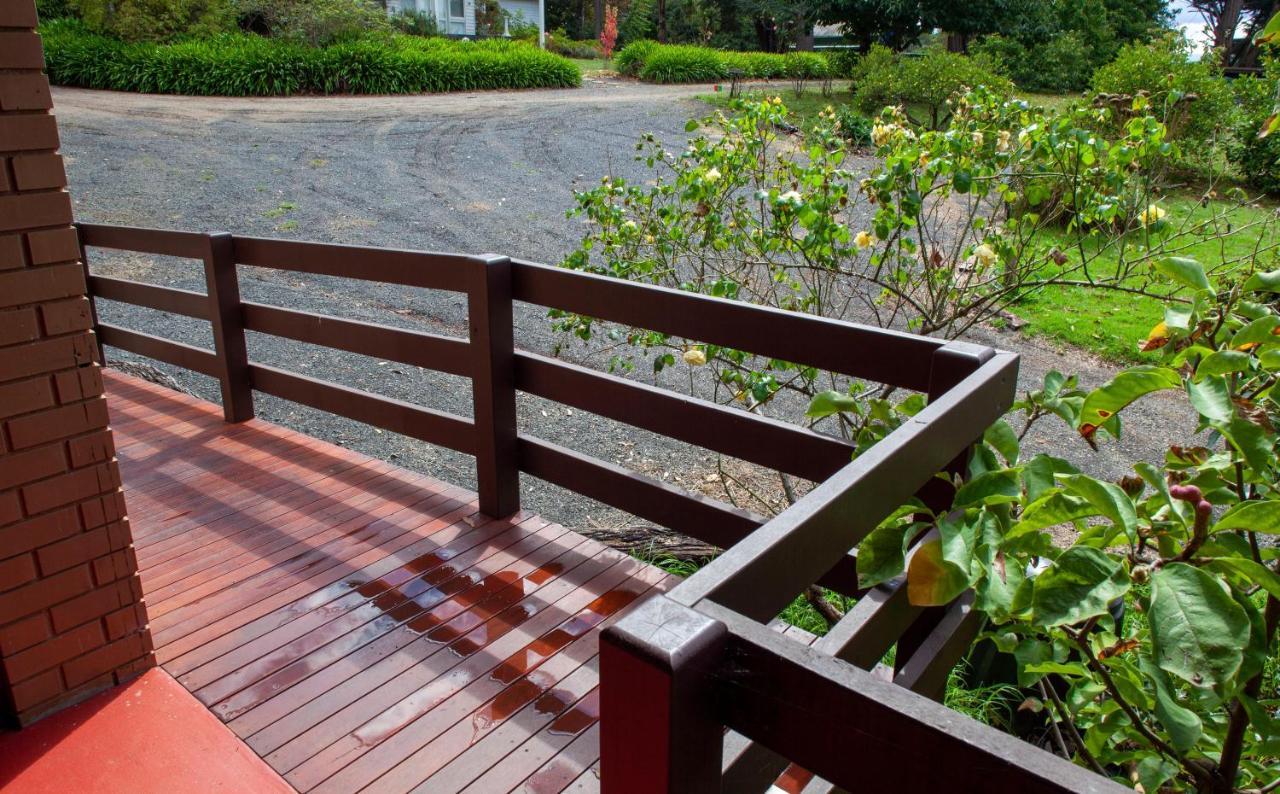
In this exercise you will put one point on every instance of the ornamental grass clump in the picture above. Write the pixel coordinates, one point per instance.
(248, 65)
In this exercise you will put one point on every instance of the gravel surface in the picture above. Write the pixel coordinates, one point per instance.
(475, 173)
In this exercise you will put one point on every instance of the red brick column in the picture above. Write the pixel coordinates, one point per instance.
(72, 620)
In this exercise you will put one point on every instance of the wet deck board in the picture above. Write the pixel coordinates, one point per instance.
(360, 626)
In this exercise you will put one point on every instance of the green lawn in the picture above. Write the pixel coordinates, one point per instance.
(1112, 324)
(804, 107)
(592, 66)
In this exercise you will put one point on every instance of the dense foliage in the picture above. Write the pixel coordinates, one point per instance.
(247, 65)
(1258, 158)
(923, 84)
(1174, 689)
(558, 41)
(944, 233)
(1189, 95)
(669, 63)
(1059, 65)
(156, 20)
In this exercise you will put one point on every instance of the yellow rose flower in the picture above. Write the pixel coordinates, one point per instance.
(984, 254)
(1151, 215)
(864, 240)
(695, 357)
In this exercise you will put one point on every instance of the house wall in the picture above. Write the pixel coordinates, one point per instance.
(463, 26)
(72, 619)
(526, 8)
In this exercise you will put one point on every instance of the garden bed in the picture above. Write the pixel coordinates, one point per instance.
(249, 65)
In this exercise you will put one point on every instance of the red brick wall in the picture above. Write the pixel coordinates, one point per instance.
(72, 620)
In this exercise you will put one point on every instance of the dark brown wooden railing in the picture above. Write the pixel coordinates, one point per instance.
(709, 698)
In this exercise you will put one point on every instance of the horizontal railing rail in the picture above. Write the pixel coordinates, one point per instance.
(714, 699)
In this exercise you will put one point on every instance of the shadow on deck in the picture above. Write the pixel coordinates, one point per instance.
(359, 625)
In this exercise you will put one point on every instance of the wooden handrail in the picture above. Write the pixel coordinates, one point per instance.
(687, 665)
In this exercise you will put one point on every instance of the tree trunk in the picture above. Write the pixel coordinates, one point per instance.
(1224, 29)
(662, 21)
(599, 18)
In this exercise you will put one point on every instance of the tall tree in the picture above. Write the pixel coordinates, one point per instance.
(1235, 25)
(894, 23)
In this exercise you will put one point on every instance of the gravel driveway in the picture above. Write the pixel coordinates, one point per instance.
(486, 172)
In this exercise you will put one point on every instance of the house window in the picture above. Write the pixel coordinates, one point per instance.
(456, 8)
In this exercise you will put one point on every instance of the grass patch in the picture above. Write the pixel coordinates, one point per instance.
(804, 107)
(1112, 324)
(591, 66)
(249, 65)
(687, 63)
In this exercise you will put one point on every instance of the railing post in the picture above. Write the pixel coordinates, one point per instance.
(88, 291)
(952, 363)
(228, 327)
(658, 729)
(493, 387)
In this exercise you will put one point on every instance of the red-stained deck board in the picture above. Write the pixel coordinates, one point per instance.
(358, 625)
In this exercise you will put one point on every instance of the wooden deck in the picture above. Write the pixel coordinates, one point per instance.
(360, 626)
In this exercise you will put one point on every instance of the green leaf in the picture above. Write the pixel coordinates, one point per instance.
(830, 402)
(1030, 653)
(1255, 444)
(992, 487)
(1222, 362)
(1255, 333)
(1154, 771)
(1263, 282)
(1185, 271)
(1003, 440)
(1103, 402)
(1198, 632)
(1182, 724)
(1049, 511)
(1246, 573)
(1271, 32)
(1040, 474)
(881, 554)
(691, 125)
(1109, 499)
(1078, 585)
(1252, 516)
(958, 540)
(1211, 398)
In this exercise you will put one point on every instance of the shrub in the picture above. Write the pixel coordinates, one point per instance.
(663, 63)
(1061, 64)
(559, 42)
(417, 23)
(923, 84)
(1191, 96)
(316, 22)
(49, 10)
(520, 28)
(1257, 158)
(853, 126)
(630, 59)
(156, 20)
(246, 65)
(690, 64)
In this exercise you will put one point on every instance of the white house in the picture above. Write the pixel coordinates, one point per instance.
(458, 17)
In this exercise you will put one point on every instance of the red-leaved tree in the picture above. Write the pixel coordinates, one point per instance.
(609, 32)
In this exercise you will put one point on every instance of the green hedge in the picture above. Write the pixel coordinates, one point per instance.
(247, 65)
(669, 63)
